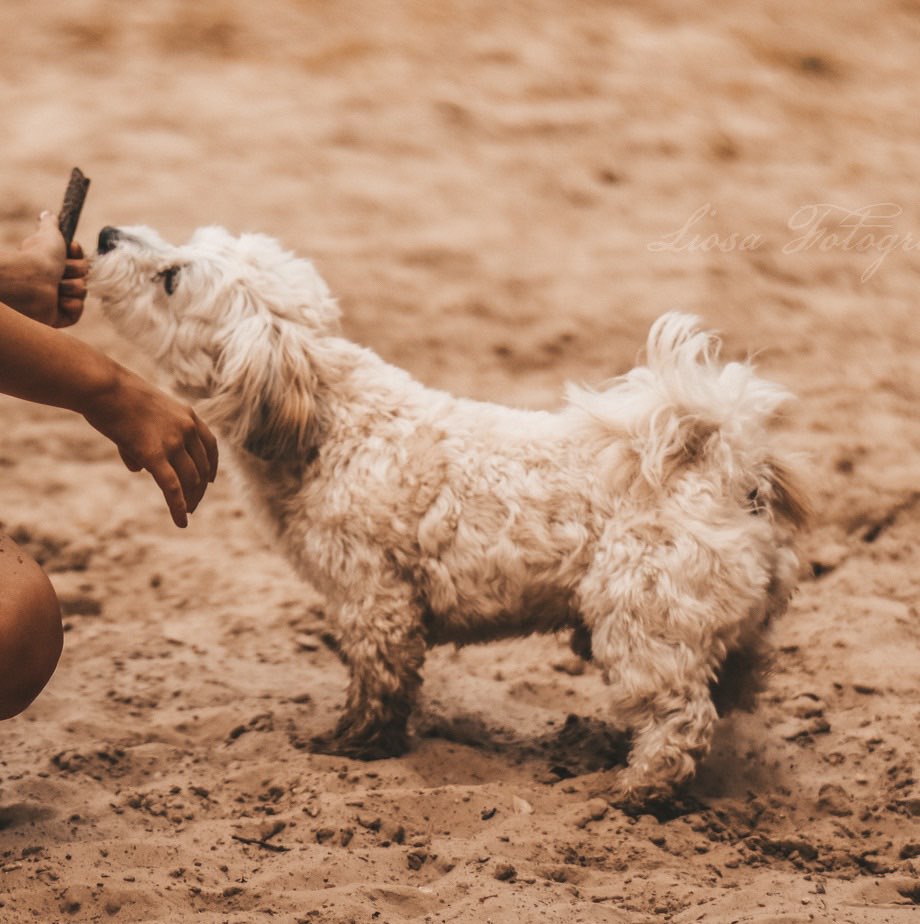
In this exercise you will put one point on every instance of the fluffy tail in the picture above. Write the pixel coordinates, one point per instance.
(669, 410)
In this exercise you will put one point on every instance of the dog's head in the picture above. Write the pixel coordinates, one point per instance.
(230, 319)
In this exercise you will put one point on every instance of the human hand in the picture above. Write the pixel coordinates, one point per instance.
(42, 280)
(72, 287)
(156, 433)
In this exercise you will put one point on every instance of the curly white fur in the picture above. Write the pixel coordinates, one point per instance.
(652, 517)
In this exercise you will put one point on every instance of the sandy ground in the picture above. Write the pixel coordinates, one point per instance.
(496, 193)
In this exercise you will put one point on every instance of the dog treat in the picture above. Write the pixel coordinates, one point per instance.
(74, 197)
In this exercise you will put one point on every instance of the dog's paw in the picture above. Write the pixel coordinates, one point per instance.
(632, 795)
(640, 800)
(376, 745)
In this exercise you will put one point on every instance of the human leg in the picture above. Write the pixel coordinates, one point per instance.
(31, 635)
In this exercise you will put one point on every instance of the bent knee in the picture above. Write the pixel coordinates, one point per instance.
(31, 635)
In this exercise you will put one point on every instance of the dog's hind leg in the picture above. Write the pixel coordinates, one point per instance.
(383, 644)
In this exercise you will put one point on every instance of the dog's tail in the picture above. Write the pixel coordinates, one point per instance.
(682, 402)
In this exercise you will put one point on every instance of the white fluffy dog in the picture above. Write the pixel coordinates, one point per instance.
(653, 518)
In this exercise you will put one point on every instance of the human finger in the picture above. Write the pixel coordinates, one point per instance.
(196, 450)
(74, 251)
(48, 221)
(48, 228)
(72, 288)
(213, 451)
(209, 442)
(76, 268)
(193, 485)
(168, 482)
(70, 310)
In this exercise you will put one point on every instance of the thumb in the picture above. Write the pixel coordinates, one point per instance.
(47, 237)
(47, 221)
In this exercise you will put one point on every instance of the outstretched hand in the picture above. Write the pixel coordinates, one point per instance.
(158, 434)
(43, 279)
(151, 430)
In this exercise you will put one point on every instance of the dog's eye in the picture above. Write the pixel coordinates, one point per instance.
(168, 277)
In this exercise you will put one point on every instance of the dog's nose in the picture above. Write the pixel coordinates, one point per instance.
(108, 238)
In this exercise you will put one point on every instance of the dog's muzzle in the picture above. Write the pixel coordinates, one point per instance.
(108, 238)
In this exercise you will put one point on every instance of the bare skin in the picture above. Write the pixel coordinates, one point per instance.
(33, 282)
(41, 282)
(31, 636)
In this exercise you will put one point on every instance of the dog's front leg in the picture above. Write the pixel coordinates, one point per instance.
(672, 731)
(384, 647)
(654, 642)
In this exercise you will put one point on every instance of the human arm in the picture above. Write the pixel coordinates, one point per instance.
(151, 430)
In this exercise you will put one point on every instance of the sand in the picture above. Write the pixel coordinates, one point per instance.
(503, 197)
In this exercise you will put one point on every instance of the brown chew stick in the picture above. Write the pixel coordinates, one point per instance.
(73, 204)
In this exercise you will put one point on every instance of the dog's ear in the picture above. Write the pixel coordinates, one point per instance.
(789, 499)
(264, 390)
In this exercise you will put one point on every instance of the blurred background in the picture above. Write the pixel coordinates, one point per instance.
(459, 167)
